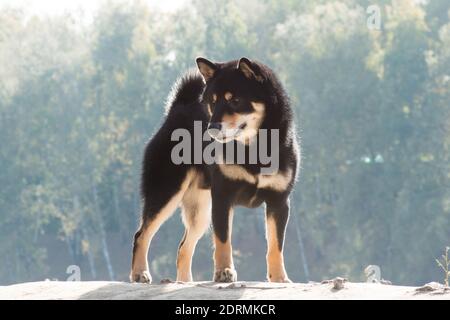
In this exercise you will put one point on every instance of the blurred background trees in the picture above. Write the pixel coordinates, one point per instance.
(78, 101)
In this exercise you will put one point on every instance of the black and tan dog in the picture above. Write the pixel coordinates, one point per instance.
(232, 101)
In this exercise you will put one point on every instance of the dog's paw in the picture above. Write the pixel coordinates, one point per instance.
(225, 275)
(277, 275)
(141, 277)
(280, 280)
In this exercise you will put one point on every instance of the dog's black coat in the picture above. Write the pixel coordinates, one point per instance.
(190, 97)
(161, 178)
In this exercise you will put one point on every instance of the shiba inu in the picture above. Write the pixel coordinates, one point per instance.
(230, 103)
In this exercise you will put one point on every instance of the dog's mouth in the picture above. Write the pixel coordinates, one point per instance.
(242, 126)
(226, 135)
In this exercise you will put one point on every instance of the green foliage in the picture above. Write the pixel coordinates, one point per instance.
(79, 101)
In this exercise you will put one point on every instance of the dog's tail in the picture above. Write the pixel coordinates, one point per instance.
(186, 90)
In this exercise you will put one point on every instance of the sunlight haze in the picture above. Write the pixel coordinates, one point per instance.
(55, 7)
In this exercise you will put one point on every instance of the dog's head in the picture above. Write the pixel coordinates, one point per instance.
(234, 98)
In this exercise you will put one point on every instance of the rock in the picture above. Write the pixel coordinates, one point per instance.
(166, 281)
(434, 287)
(233, 285)
(96, 290)
(338, 283)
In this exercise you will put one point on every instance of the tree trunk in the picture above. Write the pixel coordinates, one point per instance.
(90, 256)
(85, 235)
(101, 227)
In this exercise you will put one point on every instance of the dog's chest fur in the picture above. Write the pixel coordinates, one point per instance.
(276, 182)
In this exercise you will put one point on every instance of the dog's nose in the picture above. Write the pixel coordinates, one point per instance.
(215, 125)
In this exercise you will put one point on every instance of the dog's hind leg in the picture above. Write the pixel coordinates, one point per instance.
(196, 206)
(154, 214)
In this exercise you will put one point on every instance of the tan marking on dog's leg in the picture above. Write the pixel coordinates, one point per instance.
(196, 217)
(139, 266)
(223, 254)
(275, 262)
(223, 257)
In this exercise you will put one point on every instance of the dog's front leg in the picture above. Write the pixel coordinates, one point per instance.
(222, 219)
(277, 215)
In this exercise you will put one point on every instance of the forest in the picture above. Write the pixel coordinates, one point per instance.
(79, 98)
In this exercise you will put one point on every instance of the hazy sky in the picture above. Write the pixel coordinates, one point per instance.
(52, 7)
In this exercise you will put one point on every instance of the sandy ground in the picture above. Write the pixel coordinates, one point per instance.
(209, 290)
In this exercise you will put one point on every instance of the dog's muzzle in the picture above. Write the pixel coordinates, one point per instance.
(223, 134)
(214, 129)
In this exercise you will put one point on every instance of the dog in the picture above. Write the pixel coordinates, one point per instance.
(233, 102)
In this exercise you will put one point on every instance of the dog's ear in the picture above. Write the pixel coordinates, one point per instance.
(206, 68)
(249, 69)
